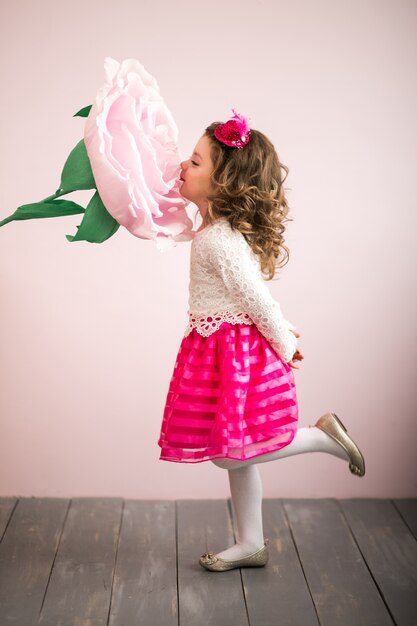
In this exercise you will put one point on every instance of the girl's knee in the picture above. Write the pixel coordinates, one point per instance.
(223, 463)
(228, 464)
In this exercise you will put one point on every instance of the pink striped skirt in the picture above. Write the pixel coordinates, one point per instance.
(230, 396)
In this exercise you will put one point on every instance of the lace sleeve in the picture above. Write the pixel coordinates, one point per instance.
(233, 259)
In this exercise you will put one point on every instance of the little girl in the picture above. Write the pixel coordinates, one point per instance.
(232, 396)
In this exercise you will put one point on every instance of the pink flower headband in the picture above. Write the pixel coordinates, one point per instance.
(235, 132)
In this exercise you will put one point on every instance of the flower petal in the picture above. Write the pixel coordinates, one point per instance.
(132, 142)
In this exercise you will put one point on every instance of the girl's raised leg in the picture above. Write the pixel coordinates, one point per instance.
(307, 439)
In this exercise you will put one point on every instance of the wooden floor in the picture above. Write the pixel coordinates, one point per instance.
(102, 561)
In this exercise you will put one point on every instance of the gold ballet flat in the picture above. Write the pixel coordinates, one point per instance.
(331, 424)
(215, 564)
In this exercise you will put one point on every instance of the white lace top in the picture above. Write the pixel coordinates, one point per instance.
(226, 284)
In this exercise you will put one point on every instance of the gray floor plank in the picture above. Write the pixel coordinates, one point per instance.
(80, 587)
(390, 551)
(207, 598)
(27, 553)
(7, 506)
(408, 510)
(108, 561)
(278, 593)
(341, 586)
(145, 581)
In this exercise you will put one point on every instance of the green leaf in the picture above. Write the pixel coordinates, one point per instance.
(51, 208)
(77, 172)
(83, 112)
(97, 224)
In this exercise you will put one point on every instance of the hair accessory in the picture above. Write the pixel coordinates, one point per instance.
(235, 132)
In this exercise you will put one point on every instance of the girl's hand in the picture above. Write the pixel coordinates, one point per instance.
(297, 354)
(296, 357)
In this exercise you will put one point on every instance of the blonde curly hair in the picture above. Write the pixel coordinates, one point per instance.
(248, 191)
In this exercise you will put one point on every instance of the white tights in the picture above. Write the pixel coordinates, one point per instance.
(246, 487)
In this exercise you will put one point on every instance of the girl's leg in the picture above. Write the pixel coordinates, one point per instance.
(246, 487)
(246, 492)
(307, 439)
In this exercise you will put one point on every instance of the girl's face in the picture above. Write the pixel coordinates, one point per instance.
(196, 172)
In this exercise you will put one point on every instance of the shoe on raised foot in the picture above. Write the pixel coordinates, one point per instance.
(215, 564)
(331, 424)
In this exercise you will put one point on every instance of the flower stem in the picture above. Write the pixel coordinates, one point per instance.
(58, 192)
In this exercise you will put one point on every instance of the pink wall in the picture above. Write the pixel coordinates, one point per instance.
(89, 333)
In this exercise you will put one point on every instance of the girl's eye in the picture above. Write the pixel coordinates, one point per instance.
(194, 163)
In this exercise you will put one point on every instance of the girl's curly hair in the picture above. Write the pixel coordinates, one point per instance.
(248, 191)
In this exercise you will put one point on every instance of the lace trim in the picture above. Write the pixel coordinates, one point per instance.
(207, 324)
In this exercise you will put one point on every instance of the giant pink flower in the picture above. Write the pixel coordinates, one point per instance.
(132, 144)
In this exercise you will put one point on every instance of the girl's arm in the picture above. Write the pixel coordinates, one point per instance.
(231, 254)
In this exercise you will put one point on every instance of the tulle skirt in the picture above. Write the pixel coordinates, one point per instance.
(230, 396)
